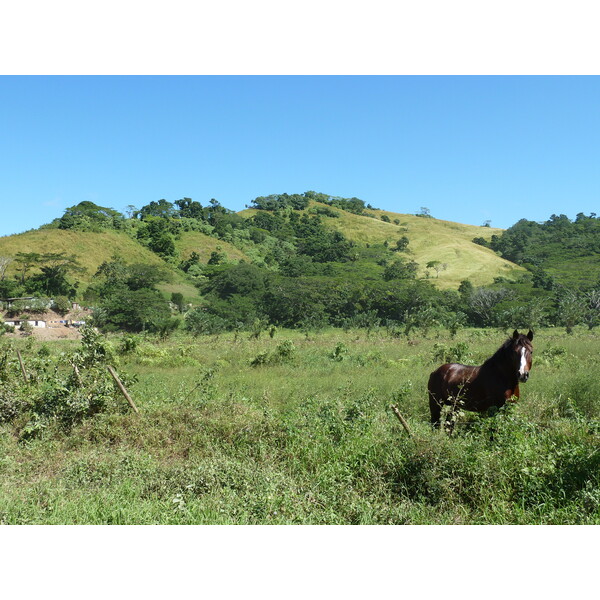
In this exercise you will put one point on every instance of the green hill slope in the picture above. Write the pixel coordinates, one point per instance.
(445, 241)
(204, 245)
(559, 249)
(91, 250)
(430, 240)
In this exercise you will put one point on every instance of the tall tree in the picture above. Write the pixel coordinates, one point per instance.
(54, 269)
(26, 261)
(4, 262)
(571, 308)
(482, 302)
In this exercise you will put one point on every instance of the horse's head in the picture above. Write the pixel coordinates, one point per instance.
(523, 350)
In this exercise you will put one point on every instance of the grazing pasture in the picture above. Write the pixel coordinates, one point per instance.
(294, 429)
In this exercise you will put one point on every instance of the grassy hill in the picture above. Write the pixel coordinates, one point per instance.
(430, 239)
(204, 245)
(91, 250)
(448, 242)
(351, 265)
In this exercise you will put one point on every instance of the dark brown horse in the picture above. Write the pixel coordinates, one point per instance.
(494, 383)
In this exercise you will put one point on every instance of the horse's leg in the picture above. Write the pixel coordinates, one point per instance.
(435, 408)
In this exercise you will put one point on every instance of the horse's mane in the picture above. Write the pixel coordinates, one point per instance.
(507, 345)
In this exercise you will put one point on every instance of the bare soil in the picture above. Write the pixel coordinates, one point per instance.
(50, 333)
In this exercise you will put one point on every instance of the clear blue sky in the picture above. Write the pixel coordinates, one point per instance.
(469, 148)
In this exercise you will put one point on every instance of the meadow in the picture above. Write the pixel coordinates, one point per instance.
(296, 428)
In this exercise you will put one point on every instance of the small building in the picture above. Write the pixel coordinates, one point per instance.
(19, 322)
(48, 319)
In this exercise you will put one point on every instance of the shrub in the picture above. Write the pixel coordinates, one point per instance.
(62, 305)
(453, 354)
(552, 355)
(26, 327)
(200, 322)
(177, 300)
(143, 309)
(129, 343)
(11, 403)
(61, 396)
(400, 269)
(283, 353)
(339, 352)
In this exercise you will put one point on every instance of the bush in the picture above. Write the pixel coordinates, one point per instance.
(62, 305)
(129, 343)
(324, 211)
(60, 396)
(400, 269)
(137, 310)
(453, 354)
(339, 352)
(11, 403)
(177, 300)
(284, 353)
(200, 322)
(26, 327)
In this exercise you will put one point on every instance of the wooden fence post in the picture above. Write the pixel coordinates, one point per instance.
(122, 388)
(401, 419)
(22, 366)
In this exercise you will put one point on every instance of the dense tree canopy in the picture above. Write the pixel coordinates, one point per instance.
(87, 216)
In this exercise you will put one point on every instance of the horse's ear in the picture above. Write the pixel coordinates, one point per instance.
(515, 334)
(530, 335)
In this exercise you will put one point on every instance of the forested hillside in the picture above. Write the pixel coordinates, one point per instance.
(305, 261)
(557, 251)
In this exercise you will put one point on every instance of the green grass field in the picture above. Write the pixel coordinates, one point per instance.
(297, 429)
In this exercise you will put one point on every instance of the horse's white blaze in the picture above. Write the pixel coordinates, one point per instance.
(523, 367)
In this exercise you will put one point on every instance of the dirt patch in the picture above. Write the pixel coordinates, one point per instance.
(56, 328)
(50, 333)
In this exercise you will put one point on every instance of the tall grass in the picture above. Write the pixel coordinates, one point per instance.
(306, 436)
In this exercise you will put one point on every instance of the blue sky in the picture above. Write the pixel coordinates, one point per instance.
(469, 148)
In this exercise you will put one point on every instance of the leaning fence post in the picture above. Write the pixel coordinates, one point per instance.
(122, 388)
(22, 366)
(401, 419)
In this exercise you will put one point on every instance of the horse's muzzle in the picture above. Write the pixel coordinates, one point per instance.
(523, 377)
